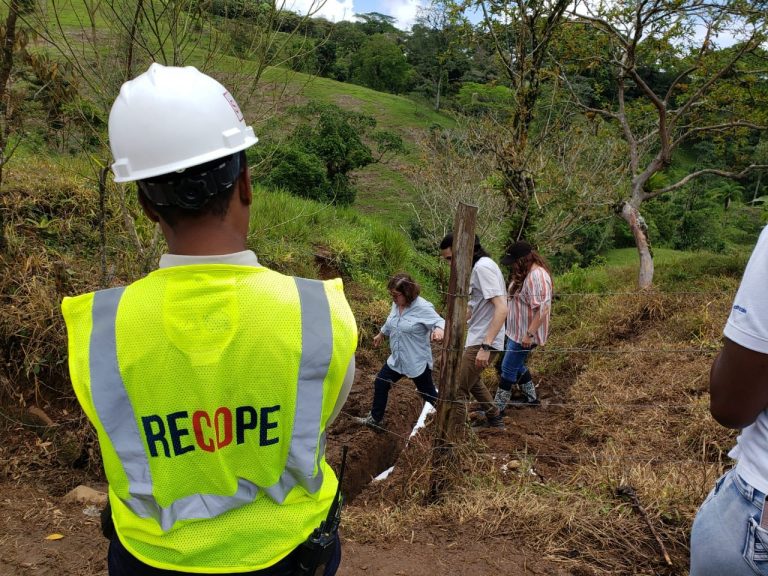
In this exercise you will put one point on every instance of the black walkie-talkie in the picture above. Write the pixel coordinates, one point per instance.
(315, 552)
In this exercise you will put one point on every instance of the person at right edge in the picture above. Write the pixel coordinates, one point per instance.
(729, 534)
(485, 329)
(211, 381)
(530, 303)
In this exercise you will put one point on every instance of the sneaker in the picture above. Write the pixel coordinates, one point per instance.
(368, 420)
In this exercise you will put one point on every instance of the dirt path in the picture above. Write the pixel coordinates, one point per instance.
(29, 515)
(31, 507)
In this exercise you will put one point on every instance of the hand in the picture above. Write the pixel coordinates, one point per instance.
(437, 334)
(378, 339)
(527, 341)
(483, 358)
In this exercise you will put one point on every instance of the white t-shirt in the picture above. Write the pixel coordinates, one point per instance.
(485, 283)
(748, 326)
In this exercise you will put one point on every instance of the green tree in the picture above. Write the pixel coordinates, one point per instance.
(520, 33)
(434, 51)
(381, 65)
(323, 151)
(338, 52)
(376, 23)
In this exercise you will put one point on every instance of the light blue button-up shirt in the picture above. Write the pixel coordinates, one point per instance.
(409, 335)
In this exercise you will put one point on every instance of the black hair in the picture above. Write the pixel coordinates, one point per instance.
(214, 183)
(477, 252)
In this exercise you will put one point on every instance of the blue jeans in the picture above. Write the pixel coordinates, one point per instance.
(122, 563)
(513, 366)
(726, 539)
(384, 380)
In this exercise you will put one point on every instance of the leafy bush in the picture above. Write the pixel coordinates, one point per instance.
(298, 171)
(701, 229)
(324, 149)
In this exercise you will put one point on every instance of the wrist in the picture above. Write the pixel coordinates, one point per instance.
(530, 335)
(485, 346)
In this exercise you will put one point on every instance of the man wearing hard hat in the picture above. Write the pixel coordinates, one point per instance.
(212, 380)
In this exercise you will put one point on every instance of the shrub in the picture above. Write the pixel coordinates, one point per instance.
(300, 172)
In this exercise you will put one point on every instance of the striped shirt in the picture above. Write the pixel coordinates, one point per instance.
(535, 295)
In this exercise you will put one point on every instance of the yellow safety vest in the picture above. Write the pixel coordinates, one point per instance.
(210, 387)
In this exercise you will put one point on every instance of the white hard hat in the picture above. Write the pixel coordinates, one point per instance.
(169, 119)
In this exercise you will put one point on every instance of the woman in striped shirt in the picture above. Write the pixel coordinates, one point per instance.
(529, 304)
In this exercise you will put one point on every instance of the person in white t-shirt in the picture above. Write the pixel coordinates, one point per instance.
(487, 313)
(729, 535)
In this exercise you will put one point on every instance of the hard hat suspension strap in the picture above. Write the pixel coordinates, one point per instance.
(193, 190)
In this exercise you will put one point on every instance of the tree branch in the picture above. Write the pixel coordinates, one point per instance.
(715, 171)
(718, 128)
(675, 82)
(747, 46)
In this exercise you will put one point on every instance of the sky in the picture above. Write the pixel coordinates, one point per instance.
(403, 11)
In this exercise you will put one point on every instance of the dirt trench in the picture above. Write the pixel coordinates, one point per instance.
(371, 452)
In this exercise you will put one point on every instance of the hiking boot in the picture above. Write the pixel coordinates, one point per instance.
(501, 399)
(494, 421)
(530, 399)
(525, 403)
(368, 420)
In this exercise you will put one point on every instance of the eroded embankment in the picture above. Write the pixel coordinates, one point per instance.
(371, 452)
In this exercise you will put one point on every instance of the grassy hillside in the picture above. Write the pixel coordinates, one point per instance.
(60, 243)
(266, 93)
(623, 378)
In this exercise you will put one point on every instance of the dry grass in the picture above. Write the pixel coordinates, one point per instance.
(635, 413)
(53, 223)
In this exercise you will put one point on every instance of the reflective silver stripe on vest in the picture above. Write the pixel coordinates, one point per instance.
(119, 420)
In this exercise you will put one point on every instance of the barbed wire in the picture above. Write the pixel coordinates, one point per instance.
(603, 293)
(384, 280)
(602, 350)
(402, 387)
(580, 458)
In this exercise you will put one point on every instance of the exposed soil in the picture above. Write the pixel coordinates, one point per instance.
(32, 507)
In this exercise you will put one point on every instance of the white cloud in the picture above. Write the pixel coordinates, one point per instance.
(404, 11)
(333, 10)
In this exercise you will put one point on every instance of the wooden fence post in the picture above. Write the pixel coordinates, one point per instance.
(453, 346)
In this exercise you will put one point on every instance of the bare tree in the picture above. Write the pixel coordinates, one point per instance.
(521, 33)
(10, 38)
(454, 172)
(655, 120)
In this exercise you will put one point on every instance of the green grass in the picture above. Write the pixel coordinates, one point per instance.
(385, 192)
(674, 270)
(392, 112)
(300, 237)
(628, 256)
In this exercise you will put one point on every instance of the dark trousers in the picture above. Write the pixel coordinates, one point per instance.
(123, 563)
(384, 380)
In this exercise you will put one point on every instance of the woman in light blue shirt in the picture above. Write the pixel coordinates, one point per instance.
(411, 325)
